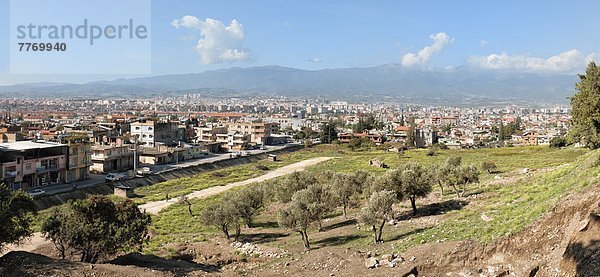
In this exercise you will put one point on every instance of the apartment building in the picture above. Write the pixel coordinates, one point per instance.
(152, 133)
(258, 132)
(207, 134)
(30, 164)
(111, 158)
(79, 157)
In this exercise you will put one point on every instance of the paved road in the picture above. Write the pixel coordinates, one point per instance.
(157, 206)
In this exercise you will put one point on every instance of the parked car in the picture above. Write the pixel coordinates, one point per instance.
(144, 171)
(111, 177)
(263, 148)
(36, 192)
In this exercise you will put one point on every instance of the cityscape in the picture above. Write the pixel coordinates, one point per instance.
(313, 138)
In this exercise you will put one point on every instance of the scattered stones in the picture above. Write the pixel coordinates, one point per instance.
(250, 249)
(371, 262)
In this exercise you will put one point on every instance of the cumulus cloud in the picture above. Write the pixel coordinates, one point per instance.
(314, 60)
(218, 42)
(593, 57)
(440, 40)
(564, 62)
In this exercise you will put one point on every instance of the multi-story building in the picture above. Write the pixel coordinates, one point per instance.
(30, 164)
(111, 158)
(152, 133)
(79, 157)
(209, 133)
(258, 132)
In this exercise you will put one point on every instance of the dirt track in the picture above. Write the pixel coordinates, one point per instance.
(157, 206)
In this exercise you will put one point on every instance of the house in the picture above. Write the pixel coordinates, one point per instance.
(30, 164)
(111, 158)
(257, 132)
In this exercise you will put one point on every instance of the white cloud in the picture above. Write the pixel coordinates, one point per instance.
(218, 43)
(440, 40)
(564, 62)
(314, 60)
(595, 57)
(484, 43)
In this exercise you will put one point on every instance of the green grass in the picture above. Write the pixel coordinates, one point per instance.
(512, 207)
(186, 185)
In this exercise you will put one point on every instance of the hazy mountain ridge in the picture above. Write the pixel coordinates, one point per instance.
(390, 79)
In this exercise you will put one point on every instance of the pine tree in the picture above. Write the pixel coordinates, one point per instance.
(585, 106)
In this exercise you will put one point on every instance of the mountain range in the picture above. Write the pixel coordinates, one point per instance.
(390, 80)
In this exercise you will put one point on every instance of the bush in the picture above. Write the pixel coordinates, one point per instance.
(97, 227)
(558, 142)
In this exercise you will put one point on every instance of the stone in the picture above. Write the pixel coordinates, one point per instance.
(386, 257)
(485, 218)
(371, 262)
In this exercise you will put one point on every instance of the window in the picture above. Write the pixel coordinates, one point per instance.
(137, 127)
(28, 166)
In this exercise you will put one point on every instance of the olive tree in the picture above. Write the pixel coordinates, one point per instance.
(416, 182)
(223, 216)
(345, 186)
(377, 211)
(488, 166)
(298, 216)
(462, 176)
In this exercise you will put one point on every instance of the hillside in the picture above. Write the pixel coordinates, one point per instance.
(515, 222)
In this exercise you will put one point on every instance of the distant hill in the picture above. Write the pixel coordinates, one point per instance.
(385, 80)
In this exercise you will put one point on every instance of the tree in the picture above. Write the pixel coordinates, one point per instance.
(441, 171)
(345, 186)
(488, 166)
(558, 142)
(328, 132)
(377, 211)
(292, 183)
(221, 216)
(416, 182)
(16, 213)
(298, 216)
(461, 176)
(320, 200)
(246, 202)
(96, 227)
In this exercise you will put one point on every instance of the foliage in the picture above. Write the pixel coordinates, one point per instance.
(292, 183)
(96, 227)
(367, 123)
(246, 202)
(488, 166)
(460, 176)
(16, 212)
(298, 216)
(328, 132)
(223, 216)
(416, 182)
(585, 106)
(377, 211)
(558, 142)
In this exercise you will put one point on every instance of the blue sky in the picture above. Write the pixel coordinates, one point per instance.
(529, 36)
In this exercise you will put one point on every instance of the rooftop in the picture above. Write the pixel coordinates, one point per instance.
(26, 145)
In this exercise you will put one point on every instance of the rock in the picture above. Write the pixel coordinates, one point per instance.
(584, 224)
(485, 218)
(386, 257)
(392, 222)
(395, 262)
(525, 170)
(497, 177)
(413, 258)
(371, 262)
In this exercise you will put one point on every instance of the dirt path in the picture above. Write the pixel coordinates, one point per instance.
(37, 239)
(157, 206)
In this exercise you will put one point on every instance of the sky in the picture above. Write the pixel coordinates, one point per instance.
(195, 36)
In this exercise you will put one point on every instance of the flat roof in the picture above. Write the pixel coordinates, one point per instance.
(26, 145)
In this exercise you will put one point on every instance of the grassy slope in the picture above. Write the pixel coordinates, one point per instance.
(512, 207)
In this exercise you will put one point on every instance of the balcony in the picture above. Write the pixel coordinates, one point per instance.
(43, 169)
(11, 174)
